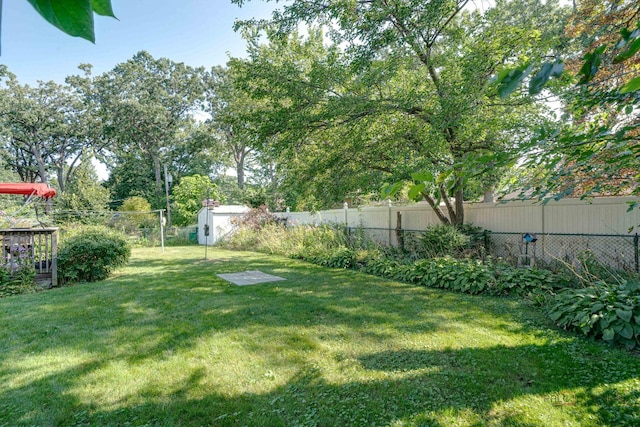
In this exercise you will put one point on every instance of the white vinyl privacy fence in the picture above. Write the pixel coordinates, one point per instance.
(564, 228)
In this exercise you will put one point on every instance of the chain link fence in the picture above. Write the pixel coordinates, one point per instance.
(618, 252)
(173, 236)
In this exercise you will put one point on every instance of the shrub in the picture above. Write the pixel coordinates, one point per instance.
(257, 218)
(337, 258)
(90, 254)
(133, 215)
(469, 276)
(19, 282)
(607, 311)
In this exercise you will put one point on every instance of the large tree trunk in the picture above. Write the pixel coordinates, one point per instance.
(436, 208)
(158, 173)
(42, 171)
(454, 214)
(240, 172)
(240, 153)
(459, 200)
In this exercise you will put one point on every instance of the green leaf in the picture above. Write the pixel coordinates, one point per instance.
(626, 332)
(510, 82)
(102, 7)
(416, 190)
(608, 334)
(624, 314)
(443, 176)
(597, 307)
(591, 64)
(422, 176)
(632, 86)
(392, 189)
(626, 37)
(631, 50)
(74, 17)
(547, 71)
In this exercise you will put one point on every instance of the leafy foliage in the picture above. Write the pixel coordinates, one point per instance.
(74, 17)
(439, 241)
(90, 254)
(605, 311)
(135, 214)
(84, 199)
(257, 218)
(187, 198)
(20, 281)
(142, 105)
(412, 74)
(595, 150)
(45, 129)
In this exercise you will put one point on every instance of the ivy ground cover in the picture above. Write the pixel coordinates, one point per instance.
(167, 343)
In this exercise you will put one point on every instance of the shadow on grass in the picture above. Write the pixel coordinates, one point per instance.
(438, 386)
(156, 308)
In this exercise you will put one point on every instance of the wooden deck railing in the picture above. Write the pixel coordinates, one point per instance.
(37, 247)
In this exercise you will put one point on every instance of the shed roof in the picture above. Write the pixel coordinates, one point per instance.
(228, 209)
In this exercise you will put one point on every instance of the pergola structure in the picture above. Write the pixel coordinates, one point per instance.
(32, 247)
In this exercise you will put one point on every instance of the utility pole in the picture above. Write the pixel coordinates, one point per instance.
(167, 181)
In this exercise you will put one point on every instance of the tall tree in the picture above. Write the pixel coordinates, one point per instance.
(84, 199)
(45, 130)
(228, 106)
(408, 98)
(144, 103)
(188, 196)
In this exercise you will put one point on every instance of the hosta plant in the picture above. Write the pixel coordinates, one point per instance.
(605, 311)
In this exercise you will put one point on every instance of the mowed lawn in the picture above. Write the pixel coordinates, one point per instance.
(167, 343)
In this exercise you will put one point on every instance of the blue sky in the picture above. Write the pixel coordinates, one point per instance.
(196, 32)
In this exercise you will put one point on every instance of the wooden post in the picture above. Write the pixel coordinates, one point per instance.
(399, 233)
(54, 258)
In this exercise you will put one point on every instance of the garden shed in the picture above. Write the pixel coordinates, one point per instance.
(218, 220)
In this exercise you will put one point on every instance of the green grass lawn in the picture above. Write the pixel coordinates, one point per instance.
(167, 343)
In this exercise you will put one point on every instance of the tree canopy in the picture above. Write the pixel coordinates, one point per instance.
(400, 93)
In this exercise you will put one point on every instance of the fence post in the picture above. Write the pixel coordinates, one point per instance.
(389, 222)
(636, 253)
(347, 230)
(345, 207)
(399, 233)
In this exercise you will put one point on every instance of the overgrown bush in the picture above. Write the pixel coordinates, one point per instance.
(257, 218)
(446, 241)
(304, 242)
(603, 310)
(337, 258)
(90, 254)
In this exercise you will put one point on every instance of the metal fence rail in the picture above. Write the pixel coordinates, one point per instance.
(619, 252)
